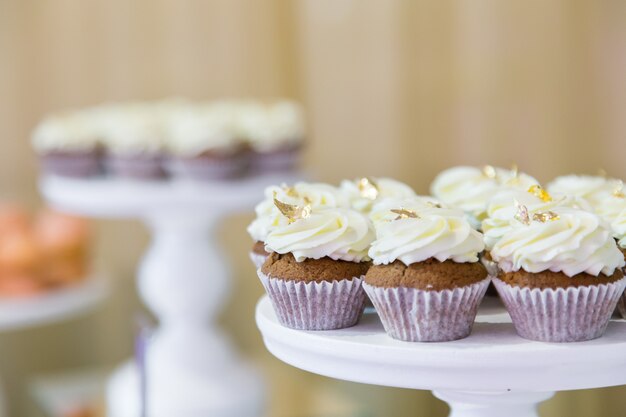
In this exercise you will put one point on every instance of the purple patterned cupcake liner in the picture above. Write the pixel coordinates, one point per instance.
(621, 305)
(316, 305)
(69, 164)
(257, 259)
(143, 167)
(415, 315)
(572, 314)
(207, 169)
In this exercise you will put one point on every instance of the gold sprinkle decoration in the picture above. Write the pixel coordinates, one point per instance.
(539, 192)
(546, 216)
(619, 190)
(522, 215)
(433, 205)
(514, 170)
(489, 171)
(368, 188)
(293, 212)
(405, 214)
(290, 190)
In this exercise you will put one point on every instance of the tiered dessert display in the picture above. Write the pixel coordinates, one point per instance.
(181, 168)
(425, 262)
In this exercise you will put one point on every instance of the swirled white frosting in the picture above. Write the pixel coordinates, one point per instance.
(199, 130)
(577, 241)
(270, 126)
(502, 208)
(612, 209)
(594, 189)
(386, 188)
(65, 132)
(334, 232)
(439, 233)
(132, 129)
(470, 189)
(268, 217)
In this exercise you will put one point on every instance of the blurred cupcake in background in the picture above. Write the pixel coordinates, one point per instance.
(203, 146)
(63, 243)
(134, 138)
(68, 145)
(274, 133)
(426, 282)
(314, 273)
(269, 217)
(470, 188)
(561, 274)
(592, 188)
(364, 193)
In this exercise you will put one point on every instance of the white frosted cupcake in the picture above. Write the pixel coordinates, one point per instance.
(134, 137)
(274, 133)
(470, 188)
(202, 146)
(364, 193)
(314, 273)
(593, 189)
(426, 282)
(269, 217)
(67, 145)
(560, 274)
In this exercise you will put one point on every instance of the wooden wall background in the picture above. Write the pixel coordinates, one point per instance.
(392, 87)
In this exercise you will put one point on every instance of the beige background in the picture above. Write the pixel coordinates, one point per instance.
(397, 88)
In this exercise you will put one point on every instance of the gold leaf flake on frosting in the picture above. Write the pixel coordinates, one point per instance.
(489, 171)
(619, 190)
(368, 188)
(293, 212)
(539, 192)
(433, 205)
(522, 215)
(545, 216)
(289, 190)
(405, 214)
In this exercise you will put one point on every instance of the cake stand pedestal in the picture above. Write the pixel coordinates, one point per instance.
(492, 373)
(190, 365)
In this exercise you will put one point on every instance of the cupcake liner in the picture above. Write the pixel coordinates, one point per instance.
(415, 315)
(621, 305)
(67, 164)
(572, 314)
(139, 167)
(207, 169)
(257, 259)
(280, 160)
(316, 305)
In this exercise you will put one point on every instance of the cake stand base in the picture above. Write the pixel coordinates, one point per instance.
(237, 392)
(492, 404)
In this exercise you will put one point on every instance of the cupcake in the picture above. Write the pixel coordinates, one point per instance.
(426, 282)
(560, 276)
(593, 189)
(470, 188)
(67, 145)
(366, 192)
(274, 133)
(318, 259)
(202, 146)
(133, 136)
(269, 217)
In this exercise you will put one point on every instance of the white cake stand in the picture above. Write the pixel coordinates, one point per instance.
(492, 373)
(191, 366)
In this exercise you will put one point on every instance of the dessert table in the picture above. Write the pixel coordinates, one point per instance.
(492, 373)
(192, 368)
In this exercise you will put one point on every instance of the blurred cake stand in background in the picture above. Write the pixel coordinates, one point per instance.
(492, 373)
(192, 369)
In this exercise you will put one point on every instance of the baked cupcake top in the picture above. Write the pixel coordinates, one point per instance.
(502, 208)
(268, 127)
(133, 129)
(363, 193)
(68, 132)
(198, 131)
(592, 188)
(268, 215)
(416, 232)
(337, 233)
(564, 239)
(470, 188)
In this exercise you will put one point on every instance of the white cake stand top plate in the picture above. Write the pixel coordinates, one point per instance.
(493, 358)
(53, 306)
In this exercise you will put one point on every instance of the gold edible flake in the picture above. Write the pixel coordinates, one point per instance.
(433, 205)
(546, 216)
(368, 188)
(489, 171)
(522, 215)
(619, 190)
(405, 214)
(289, 190)
(538, 191)
(293, 212)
